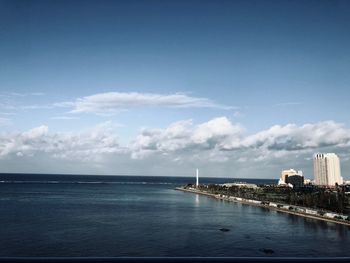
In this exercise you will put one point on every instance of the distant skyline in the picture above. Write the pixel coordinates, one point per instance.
(234, 88)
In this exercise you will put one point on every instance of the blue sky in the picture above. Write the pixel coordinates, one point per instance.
(137, 67)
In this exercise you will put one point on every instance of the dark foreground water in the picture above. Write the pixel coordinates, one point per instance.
(55, 215)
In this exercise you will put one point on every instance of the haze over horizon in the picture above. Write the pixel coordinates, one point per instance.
(239, 89)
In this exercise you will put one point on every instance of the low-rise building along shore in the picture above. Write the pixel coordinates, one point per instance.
(286, 208)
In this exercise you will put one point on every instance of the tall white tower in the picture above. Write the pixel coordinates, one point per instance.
(327, 169)
(197, 178)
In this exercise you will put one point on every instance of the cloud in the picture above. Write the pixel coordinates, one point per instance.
(7, 105)
(88, 145)
(219, 145)
(13, 101)
(37, 107)
(64, 104)
(36, 132)
(287, 104)
(112, 102)
(184, 136)
(7, 113)
(223, 140)
(64, 118)
(109, 103)
(17, 94)
(292, 137)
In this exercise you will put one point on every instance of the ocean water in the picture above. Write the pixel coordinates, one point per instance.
(56, 215)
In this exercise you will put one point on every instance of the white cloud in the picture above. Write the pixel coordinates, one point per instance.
(36, 132)
(184, 136)
(84, 146)
(292, 137)
(64, 104)
(17, 94)
(64, 118)
(109, 103)
(112, 102)
(223, 140)
(7, 113)
(36, 107)
(7, 105)
(218, 143)
(220, 128)
(287, 104)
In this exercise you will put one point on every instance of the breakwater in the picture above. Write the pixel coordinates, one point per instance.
(285, 208)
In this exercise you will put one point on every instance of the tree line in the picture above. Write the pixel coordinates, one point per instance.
(335, 200)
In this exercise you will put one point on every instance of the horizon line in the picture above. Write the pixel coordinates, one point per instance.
(74, 174)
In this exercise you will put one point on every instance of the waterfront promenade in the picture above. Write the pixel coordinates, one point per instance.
(263, 205)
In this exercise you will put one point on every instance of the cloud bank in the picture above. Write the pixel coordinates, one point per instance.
(218, 141)
(183, 136)
(88, 145)
(221, 135)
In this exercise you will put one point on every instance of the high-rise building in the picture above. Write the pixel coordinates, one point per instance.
(290, 172)
(327, 169)
(296, 178)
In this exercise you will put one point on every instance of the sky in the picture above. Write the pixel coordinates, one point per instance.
(239, 89)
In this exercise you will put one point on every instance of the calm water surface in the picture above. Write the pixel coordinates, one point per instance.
(55, 215)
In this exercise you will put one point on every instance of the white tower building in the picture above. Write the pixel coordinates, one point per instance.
(197, 178)
(327, 169)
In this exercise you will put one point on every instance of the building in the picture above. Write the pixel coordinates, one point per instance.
(327, 169)
(295, 180)
(290, 172)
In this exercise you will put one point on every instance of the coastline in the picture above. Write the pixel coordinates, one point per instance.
(254, 203)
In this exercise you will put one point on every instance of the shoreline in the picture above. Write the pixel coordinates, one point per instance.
(317, 217)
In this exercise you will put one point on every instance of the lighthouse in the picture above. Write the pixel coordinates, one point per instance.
(197, 178)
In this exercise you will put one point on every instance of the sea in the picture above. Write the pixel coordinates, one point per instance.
(144, 216)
